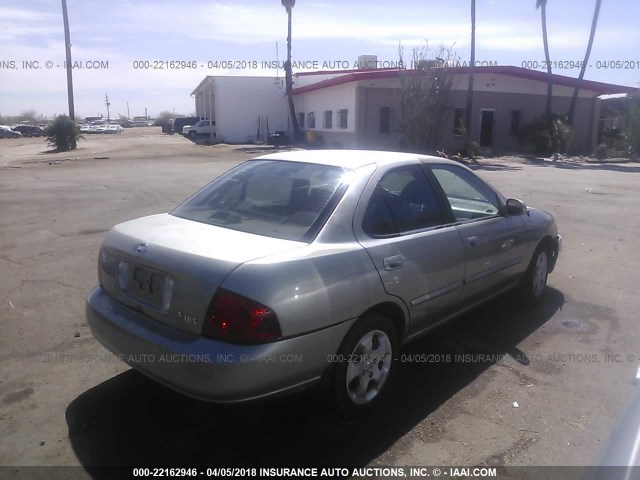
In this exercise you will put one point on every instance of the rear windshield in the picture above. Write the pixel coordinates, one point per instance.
(267, 197)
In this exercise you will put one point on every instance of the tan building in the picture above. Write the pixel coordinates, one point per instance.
(360, 108)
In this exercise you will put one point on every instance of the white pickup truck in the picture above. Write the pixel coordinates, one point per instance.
(201, 128)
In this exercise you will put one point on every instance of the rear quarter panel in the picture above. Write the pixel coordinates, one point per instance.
(328, 281)
(329, 285)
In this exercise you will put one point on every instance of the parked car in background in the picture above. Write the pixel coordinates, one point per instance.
(298, 267)
(29, 130)
(7, 132)
(113, 128)
(180, 122)
(203, 127)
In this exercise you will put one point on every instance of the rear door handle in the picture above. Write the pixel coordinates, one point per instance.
(473, 241)
(393, 263)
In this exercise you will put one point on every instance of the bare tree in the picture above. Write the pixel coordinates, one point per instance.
(574, 98)
(288, 5)
(424, 97)
(28, 115)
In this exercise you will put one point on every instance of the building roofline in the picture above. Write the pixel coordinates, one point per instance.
(205, 79)
(347, 76)
(214, 77)
(340, 72)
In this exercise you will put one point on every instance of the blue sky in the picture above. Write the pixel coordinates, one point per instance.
(123, 31)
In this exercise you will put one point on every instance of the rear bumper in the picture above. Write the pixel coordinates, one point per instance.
(208, 369)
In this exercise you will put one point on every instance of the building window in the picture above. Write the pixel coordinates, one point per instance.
(385, 120)
(342, 118)
(515, 122)
(301, 119)
(328, 119)
(311, 120)
(458, 121)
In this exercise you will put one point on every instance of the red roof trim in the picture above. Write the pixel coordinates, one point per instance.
(347, 76)
(340, 72)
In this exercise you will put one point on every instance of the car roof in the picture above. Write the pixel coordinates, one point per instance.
(352, 159)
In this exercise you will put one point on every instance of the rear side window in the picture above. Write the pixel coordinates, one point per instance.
(402, 201)
(267, 197)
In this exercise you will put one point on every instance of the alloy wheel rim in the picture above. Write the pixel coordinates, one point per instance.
(369, 367)
(540, 274)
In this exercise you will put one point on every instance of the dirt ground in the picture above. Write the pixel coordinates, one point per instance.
(501, 386)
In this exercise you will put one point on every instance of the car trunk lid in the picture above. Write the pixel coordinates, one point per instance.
(169, 268)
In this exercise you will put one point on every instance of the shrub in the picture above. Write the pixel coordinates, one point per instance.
(547, 134)
(617, 141)
(602, 152)
(64, 133)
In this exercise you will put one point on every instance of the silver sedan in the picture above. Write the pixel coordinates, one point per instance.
(297, 267)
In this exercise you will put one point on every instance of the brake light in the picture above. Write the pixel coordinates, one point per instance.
(237, 319)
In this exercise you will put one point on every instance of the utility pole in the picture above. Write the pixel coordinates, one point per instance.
(128, 114)
(107, 103)
(67, 43)
(472, 66)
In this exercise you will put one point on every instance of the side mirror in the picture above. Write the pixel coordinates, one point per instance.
(515, 207)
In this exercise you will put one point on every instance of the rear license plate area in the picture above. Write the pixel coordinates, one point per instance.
(146, 284)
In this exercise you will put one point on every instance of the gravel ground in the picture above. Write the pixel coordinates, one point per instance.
(65, 401)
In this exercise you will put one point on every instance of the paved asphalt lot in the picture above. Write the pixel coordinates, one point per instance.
(65, 401)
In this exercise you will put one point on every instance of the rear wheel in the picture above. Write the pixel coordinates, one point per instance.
(366, 365)
(535, 280)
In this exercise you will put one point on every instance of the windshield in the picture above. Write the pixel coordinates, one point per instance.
(267, 197)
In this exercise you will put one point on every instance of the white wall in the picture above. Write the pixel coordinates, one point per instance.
(304, 80)
(488, 82)
(240, 101)
(483, 82)
(331, 98)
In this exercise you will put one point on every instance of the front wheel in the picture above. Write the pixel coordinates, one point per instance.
(193, 134)
(366, 365)
(535, 280)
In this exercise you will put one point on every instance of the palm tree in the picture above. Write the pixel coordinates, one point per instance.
(288, 5)
(594, 24)
(467, 116)
(67, 45)
(542, 5)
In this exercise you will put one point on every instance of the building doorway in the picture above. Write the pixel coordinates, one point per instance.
(487, 120)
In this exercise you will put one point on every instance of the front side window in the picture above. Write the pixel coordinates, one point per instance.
(266, 197)
(402, 201)
(470, 198)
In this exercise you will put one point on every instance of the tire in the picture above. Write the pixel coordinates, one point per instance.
(366, 365)
(193, 134)
(535, 279)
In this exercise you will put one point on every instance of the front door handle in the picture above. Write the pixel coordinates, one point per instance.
(508, 244)
(393, 263)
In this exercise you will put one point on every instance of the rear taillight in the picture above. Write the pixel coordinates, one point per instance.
(237, 319)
